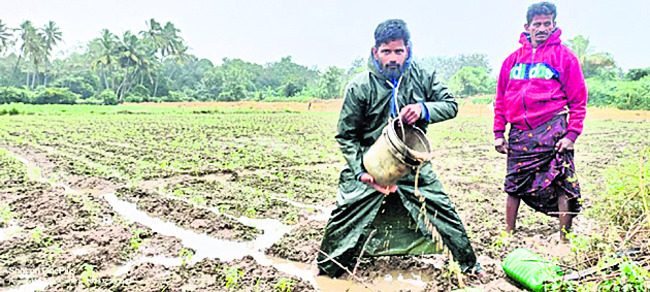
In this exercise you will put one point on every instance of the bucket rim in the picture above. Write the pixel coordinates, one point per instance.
(400, 150)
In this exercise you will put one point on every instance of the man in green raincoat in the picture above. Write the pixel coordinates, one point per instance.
(391, 220)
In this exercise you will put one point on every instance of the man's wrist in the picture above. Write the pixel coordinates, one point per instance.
(498, 135)
(425, 111)
(571, 135)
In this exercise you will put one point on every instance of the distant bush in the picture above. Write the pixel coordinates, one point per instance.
(637, 74)
(11, 112)
(14, 94)
(483, 99)
(108, 97)
(133, 98)
(140, 90)
(628, 95)
(76, 84)
(176, 96)
(55, 95)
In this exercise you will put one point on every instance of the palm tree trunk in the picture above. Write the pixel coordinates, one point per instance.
(155, 85)
(34, 77)
(47, 69)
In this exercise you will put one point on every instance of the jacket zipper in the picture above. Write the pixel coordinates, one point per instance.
(523, 97)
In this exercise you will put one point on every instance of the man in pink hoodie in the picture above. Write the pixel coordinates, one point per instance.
(541, 92)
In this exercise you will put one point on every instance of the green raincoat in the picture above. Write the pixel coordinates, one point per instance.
(361, 209)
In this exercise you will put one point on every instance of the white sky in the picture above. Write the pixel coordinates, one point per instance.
(334, 32)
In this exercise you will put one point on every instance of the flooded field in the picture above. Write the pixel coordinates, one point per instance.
(235, 198)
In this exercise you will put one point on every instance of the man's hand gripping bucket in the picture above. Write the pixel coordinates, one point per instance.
(399, 149)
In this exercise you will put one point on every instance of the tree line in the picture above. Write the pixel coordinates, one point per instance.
(153, 64)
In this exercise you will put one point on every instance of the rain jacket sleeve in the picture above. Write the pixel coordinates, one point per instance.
(499, 103)
(576, 92)
(348, 135)
(440, 103)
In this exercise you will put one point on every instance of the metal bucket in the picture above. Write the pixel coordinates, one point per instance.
(393, 156)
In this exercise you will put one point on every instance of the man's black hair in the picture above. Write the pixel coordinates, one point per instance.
(541, 8)
(390, 30)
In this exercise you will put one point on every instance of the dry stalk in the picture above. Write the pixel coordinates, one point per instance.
(363, 249)
(345, 269)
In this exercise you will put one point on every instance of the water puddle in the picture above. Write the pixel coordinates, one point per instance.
(157, 260)
(37, 285)
(273, 228)
(324, 211)
(10, 231)
(204, 245)
(393, 281)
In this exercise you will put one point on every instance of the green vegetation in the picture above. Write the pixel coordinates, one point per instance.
(284, 285)
(152, 65)
(232, 275)
(136, 238)
(625, 200)
(186, 255)
(88, 274)
(5, 215)
(149, 65)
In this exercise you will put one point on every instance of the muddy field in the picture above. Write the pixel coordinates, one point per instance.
(210, 200)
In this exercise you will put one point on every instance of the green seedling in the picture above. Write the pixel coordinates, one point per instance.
(5, 215)
(232, 275)
(54, 250)
(37, 235)
(136, 239)
(284, 284)
(197, 200)
(186, 255)
(503, 239)
(88, 274)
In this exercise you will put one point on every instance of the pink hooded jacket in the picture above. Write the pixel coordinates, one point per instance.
(535, 85)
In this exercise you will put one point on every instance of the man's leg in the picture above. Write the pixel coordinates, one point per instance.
(512, 207)
(565, 216)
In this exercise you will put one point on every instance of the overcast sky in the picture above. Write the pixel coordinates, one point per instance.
(335, 32)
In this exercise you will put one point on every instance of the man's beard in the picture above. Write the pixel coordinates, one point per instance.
(392, 71)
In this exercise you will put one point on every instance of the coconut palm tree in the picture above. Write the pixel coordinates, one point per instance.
(6, 37)
(592, 63)
(134, 57)
(165, 41)
(33, 48)
(106, 58)
(52, 35)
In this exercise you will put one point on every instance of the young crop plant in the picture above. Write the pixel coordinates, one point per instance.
(54, 250)
(136, 238)
(284, 284)
(503, 239)
(232, 275)
(5, 215)
(197, 200)
(88, 275)
(186, 256)
(37, 234)
(251, 211)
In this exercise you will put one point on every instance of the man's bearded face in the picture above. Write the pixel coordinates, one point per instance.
(391, 57)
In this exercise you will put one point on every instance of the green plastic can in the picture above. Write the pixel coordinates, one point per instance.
(529, 269)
